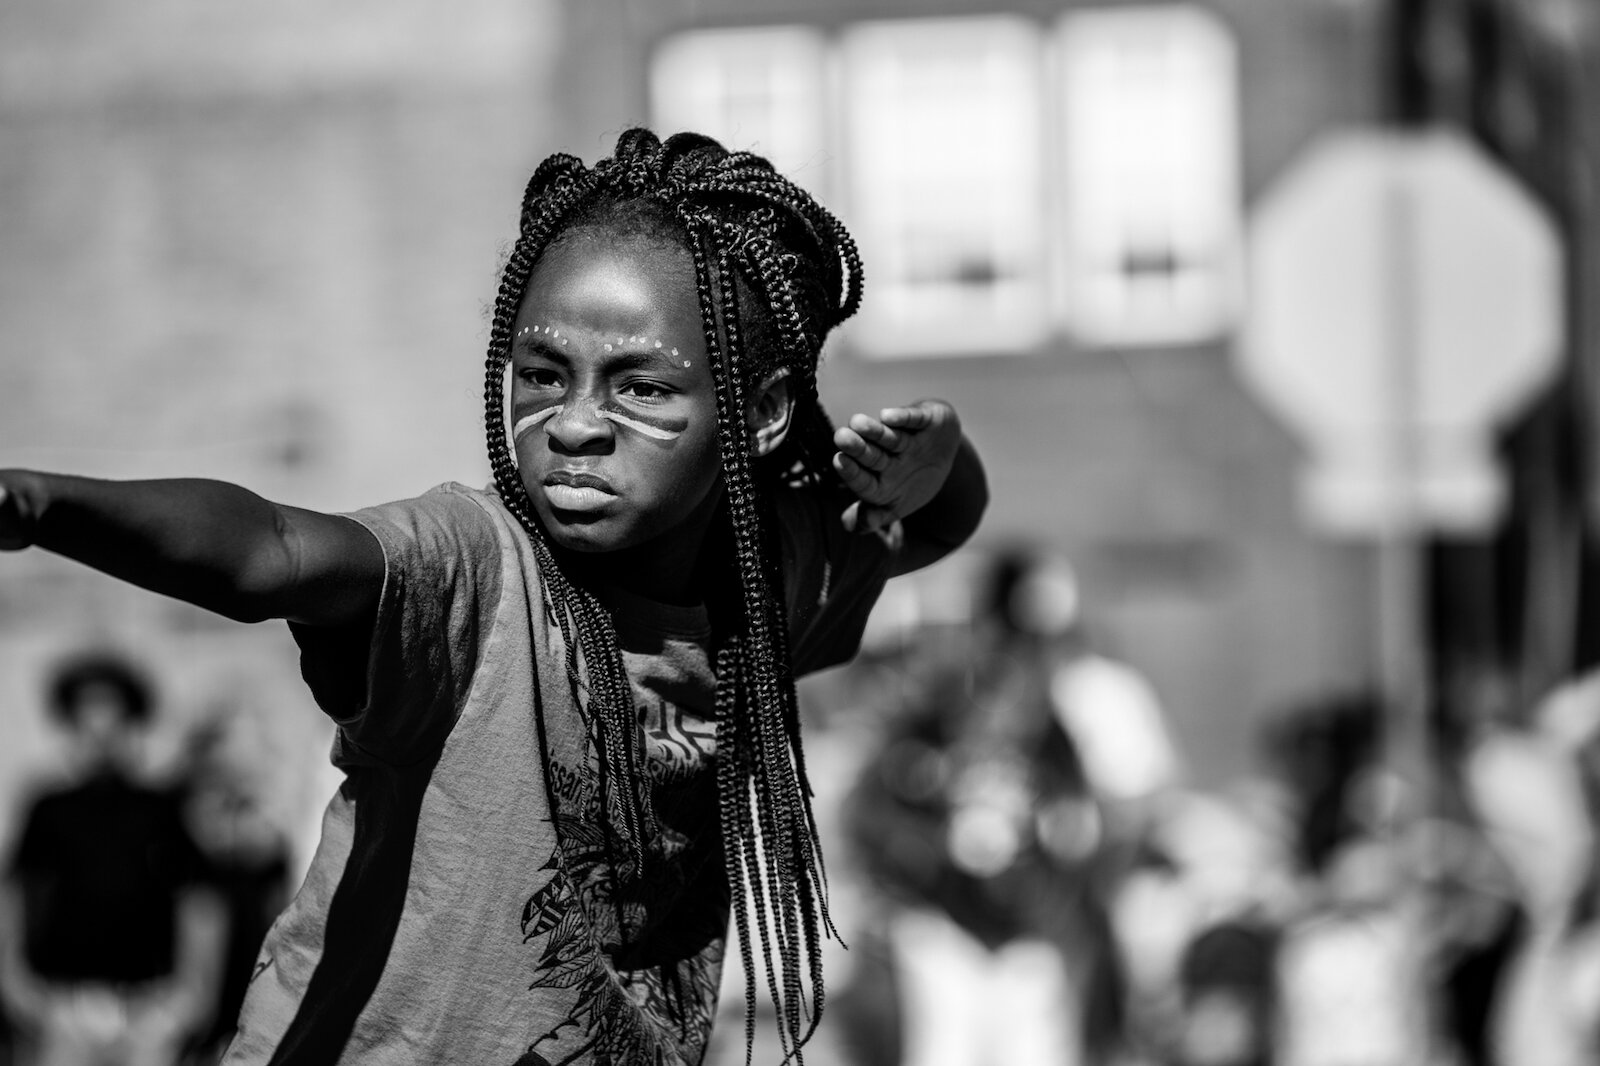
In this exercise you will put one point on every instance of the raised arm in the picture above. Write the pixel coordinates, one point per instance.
(913, 464)
(209, 543)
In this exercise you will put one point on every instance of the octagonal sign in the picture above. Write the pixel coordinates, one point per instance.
(1405, 298)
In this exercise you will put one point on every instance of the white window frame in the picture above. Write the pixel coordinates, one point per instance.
(1073, 209)
(691, 74)
(904, 315)
(1168, 195)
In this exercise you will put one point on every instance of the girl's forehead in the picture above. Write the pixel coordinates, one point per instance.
(656, 249)
(607, 285)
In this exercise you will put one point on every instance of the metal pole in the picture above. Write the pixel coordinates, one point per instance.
(1402, 573)
(1401, 564)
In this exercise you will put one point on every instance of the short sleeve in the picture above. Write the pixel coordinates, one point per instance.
(395, 690)
(832, 577)
(32, 851)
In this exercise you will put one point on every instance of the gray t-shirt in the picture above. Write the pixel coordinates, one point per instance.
(462, 906)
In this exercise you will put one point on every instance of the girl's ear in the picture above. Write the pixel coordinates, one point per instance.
(770, 411)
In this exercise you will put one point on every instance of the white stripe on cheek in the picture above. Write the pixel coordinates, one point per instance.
(527, 422)
(639, 427)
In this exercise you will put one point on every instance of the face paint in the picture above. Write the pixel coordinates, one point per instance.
(658, 427)
(527, 422)
(549, 331)
(656, 442)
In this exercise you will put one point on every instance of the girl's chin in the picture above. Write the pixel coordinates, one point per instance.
(581, 532)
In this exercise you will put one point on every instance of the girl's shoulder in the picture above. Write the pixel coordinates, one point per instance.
(450, 524)
(453, 504)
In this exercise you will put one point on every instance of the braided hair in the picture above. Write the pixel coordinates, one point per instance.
(774, 272)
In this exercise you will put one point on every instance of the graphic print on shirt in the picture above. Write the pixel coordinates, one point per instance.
(678, 744)
(637, 986)
(569, 958)
(619, 1016)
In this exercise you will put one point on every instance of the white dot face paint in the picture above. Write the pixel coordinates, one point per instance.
(639, 340)
(666, 479)
(656, 427)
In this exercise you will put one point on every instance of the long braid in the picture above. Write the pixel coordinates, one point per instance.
(742, 733)
(555, 190)
(732, 771)
(777, 796)
(744, 225)
(768, 266)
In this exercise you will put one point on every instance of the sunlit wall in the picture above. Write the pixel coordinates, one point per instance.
(252, 241)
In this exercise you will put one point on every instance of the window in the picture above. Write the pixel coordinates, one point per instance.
(943, 151)
(760, 90)
(1006, 180)
(1149, 175)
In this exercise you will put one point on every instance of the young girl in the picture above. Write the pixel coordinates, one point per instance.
(566, 703)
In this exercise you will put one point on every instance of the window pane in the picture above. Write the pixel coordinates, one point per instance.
(1150, 179)
(943, 129)
(760, 89)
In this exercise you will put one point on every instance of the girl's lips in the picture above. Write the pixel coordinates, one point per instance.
(566, 497)
(571, 490)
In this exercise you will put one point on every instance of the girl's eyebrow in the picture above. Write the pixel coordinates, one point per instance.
(648, 358)
(538, 345)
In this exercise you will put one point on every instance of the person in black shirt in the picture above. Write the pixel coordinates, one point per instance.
(109, 941)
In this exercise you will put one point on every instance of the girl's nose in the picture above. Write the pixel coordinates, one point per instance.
(579, 426)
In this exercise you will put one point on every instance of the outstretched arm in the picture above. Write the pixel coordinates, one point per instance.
(913, 464)
(210, 543)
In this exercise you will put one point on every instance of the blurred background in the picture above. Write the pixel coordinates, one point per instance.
(1273, 320)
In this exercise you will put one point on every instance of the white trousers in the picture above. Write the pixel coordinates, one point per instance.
(964, 1005)
(102, 1026)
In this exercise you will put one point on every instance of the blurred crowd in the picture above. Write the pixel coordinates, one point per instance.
(1022, 865)
(1032, 877)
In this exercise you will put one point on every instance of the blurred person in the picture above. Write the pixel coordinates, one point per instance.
(1352, 970)
(1527, 789)
(1196, 911)
(1400, 949)
(1325, 755)
(1349, 970)
(1228, 992)
(111, 942)
(245, 855)
(980, 821)
(1569, 718)
(1477, 924)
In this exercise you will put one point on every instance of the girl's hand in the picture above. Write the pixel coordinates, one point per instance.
(896, 462)
(16, 524)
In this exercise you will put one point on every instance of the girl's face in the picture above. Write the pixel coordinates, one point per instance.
(613, 405)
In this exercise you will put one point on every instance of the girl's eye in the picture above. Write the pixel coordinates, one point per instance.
(646, 390)
(539, 377)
